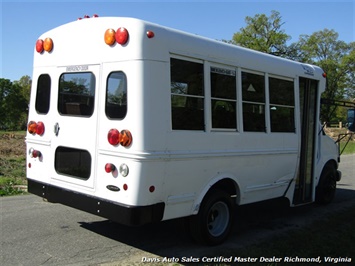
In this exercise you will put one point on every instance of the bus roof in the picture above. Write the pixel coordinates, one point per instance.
(82, 42)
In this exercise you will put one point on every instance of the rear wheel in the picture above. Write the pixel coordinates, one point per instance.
(213, 223)
(325, 191)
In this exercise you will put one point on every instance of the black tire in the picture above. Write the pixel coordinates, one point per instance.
(326, 188)
(214, 220)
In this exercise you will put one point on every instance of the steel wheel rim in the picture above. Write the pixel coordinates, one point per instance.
(218, 218)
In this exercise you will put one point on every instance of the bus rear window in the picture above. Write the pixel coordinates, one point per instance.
(43, 94)
(116, 96)
(73, 162)
(76, 94)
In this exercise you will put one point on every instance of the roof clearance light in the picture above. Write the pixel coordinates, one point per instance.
(86, 16)
(39, 46)
(122, 35)
(150, 34)
(125, 138)
(113, 137)
(95, 16)
(110, 36)
(324, 75)
(48, 44)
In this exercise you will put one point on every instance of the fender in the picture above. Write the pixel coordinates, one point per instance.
(214, 180)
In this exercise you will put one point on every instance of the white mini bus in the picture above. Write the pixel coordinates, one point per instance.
(140, 123)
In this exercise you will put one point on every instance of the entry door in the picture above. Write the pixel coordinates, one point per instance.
(308, 111)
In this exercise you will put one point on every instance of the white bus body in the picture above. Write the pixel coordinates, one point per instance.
(212, 125)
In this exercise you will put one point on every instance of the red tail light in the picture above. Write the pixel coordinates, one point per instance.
(35, 128)
(40, 128)
(115, 137)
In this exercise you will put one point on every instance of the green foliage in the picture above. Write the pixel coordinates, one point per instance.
(263, 34)
(321, 48)
(14, 100)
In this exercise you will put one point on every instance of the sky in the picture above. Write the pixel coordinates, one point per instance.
(22, 22)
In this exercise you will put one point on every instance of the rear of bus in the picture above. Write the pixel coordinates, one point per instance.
(83, 133)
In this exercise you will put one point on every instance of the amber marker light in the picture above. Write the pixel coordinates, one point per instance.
(48, 44)
(110, 36)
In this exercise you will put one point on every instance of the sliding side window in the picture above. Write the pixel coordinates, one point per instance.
(282, 105)
(253, 89)
(223, 98)
(187, 95)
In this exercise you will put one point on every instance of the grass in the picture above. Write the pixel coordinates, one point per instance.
(12, 162)
(349, 149)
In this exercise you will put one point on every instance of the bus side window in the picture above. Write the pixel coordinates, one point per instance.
(223, 98)
(282, 105)
(187, 95)
(43, 94)
(116, 96)
(253, 90)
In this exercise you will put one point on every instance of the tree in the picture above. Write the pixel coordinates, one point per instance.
(336, 58)
(264, 34)
(13, 105)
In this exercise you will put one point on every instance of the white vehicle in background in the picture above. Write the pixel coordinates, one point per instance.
(141, 123)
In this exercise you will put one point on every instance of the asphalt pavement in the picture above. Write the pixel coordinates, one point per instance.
(34, 232)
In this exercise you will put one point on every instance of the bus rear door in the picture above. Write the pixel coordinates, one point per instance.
(75, 127)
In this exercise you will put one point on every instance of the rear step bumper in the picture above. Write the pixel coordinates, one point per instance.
(123, 214)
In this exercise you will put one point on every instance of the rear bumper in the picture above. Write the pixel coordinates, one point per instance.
(123, 214)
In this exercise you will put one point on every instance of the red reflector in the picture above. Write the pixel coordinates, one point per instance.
(40, 128)
(39, 46)
(150, 34)
(151, 189)
(113, 136)
(36, 154)
(109, 167)
(125, 187)
(121, 36)
(324, 75)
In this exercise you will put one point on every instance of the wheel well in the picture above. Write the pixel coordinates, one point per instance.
(331, 163)
(229, 186)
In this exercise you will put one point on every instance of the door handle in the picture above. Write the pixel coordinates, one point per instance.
(56, 129)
